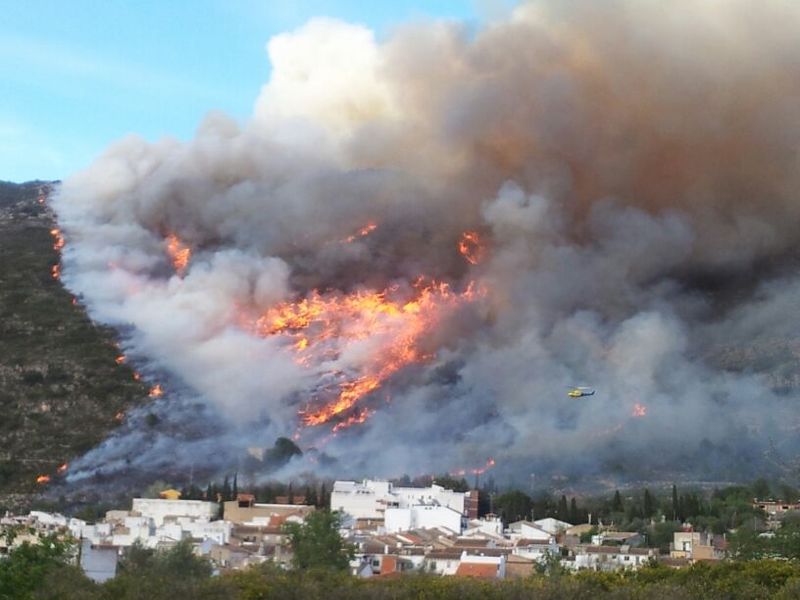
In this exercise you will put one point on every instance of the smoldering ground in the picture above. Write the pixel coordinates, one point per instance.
(632, 170)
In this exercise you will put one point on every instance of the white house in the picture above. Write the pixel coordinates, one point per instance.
(370, 499)
(159, 509)
(527, 530)
(422, 516)
(612, 558)
(552, 526)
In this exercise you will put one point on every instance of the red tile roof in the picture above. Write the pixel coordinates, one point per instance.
(483, 570)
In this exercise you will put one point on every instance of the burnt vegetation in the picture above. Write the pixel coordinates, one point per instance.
(61, 390)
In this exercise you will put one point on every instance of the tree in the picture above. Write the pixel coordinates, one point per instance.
(235, 491)
(573, 511)
(316, 542)
(28, 567)
(649, 505)
(761, 489)
(451, 483)
(675, 503)
(616, 503)
(563, 511)
(324, 499)
(513, 506)
(311, 495)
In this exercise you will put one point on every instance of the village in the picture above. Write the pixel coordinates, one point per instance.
(393, 530)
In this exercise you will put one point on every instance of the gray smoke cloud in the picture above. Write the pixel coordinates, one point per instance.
(632, 168)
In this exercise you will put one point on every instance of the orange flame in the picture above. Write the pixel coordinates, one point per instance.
(119, 417)
(179, 253)
(42, 479)
(471, 247)
(55, 271)
(136, 376)
(322, 326)
(58, 239)
(120, 359)
(355, 419)
(639, 410)
(490, 462)
(363, 232)
(156, 391)
(62, 468)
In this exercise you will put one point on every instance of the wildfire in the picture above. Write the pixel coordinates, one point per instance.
(179, 253)
(42, 479)
(471, 247)
(62, 468)
(639, 410)
(55, 271)
(58, 239)
(156, 391)
(476, 471)
(136, 376)
(355, 419)
(120, 359)
(119, 417)
(320, 327)
(363, 232)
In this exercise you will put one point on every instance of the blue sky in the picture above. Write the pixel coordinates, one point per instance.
(78, 74)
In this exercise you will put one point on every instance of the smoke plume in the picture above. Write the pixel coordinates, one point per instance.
(447, 230)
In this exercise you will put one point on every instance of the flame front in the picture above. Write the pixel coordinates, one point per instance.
(490, 462)
(363, 232)
(471, 247)
(179, 253)
(386, 326)
(58, 239)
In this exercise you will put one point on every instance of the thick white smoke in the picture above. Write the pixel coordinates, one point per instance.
(632, 167)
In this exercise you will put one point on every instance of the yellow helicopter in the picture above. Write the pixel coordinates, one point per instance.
(580, 391)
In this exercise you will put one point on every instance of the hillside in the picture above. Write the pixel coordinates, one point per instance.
(61, 390)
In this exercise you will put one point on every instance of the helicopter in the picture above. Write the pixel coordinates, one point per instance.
(580, 391)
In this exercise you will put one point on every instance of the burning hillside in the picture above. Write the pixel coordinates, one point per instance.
(411, 261)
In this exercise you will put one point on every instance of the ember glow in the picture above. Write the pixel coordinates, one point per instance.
(363, 232)
(42, 479)
(639, 410)
(62, 468)
(58, 239)
(55, 271)
(471, 247)
(321, 327)
(120, 359)
(179, 253)
(490, 463)
(156, 391)
(359, 417)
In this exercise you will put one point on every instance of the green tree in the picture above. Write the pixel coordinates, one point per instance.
(25, 570)
(616, 503)
(563, 511)
(761, 489)
(675, 504)
(316, 542)
(513, 506)
(649, 504)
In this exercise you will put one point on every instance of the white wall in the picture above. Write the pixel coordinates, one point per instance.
(158, 509)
